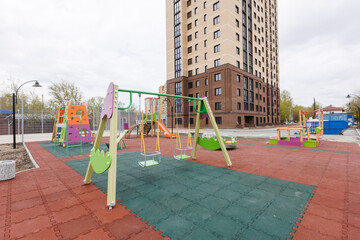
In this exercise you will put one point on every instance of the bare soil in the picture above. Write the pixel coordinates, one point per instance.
(23, 162)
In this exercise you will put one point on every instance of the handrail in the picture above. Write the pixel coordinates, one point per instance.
(198, 111)
(124, 108)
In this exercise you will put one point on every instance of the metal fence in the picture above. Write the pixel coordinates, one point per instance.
(29, 121)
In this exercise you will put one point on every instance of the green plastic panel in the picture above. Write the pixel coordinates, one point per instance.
(209, 143)
(273, 141)
(100, 160)
(309, 144)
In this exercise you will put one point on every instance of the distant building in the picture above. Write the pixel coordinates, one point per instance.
(333, 110)
(227, 51)
(163, 104)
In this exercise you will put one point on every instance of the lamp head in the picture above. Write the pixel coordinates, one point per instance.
(37, 84)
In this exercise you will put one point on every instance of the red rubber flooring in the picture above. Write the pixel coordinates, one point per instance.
(52, 203)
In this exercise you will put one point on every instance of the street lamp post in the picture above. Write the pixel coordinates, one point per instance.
(358, 107)
(172, 115)
(14, 100)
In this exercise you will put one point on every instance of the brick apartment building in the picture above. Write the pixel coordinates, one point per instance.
(226, 50)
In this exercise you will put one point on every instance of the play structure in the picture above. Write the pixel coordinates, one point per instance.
(71, 126)
(101, 161)
(152, 118)
(301, 135)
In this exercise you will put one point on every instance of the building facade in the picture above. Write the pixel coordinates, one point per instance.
(227, 51)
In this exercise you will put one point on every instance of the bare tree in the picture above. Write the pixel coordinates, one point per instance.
(64, 91)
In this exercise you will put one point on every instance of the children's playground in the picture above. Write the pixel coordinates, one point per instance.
(147, 183)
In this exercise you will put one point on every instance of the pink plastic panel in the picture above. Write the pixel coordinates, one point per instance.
(107, 109)
(74, 133)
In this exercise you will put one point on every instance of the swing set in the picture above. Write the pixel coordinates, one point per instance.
(101, 161)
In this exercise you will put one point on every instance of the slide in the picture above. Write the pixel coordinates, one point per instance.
(164, 129)
(132, 127)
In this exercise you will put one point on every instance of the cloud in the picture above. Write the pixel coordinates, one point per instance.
(319, 50)
(88, 42)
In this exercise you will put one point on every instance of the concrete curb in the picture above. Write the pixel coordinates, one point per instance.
(31, 158)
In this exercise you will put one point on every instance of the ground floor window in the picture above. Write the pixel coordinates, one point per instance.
(218, 120)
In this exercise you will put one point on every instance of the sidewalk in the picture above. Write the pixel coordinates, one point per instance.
(351, 135)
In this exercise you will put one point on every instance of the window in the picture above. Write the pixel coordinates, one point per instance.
(189, 26)
(237, 37)
(197, 71)
(216, 34)
(205, 68)
(196, 10)
(205, 30)
(196, 47)
(237, 50)
(189, 61)
(238, 64)
(190, 73)
(217, 77)
(206, 81)
(238, 78)
(206, 94)
(197, 59)
(217, 62)
(217, 48)
(188, 3)
(239, 120)
(189, 38)
(218, 120)
(197, 95)
(205, 56)
(189, 50)
(238, 106)
(196, 34)
(190, 85)
(205, 18)
(237, 23)
(188, 14)
(216, 20)
(197, 84)
(178, 121)
(238, 92)
(216, 6)
(191, 120)
(204, 5)
(217, 91)
(196, 22)
(205, 43)
(178, 88)
(218, 106)
(236, 9)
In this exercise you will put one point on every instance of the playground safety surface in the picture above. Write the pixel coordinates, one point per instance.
(52, 203)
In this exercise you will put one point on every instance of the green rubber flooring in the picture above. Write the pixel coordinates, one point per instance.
(187, 200)
(73, 151)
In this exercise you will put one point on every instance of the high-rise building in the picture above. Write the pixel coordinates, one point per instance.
(226, 50)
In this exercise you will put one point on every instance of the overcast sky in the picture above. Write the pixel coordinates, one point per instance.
(93, 42)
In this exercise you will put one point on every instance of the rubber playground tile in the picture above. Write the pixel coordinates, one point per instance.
(176, 225)
(60, 151)
(239, 213)
(272, 226)
(224, 227)
(200, 233)
(252, 234)
(29, 226)
(94, 234)
(122, 228)
(182, 201)
(83, 225)
(47, 233)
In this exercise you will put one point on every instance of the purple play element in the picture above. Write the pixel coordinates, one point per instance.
(204, 116)
(290, 143)
(126, 126)
(294, 141)
(107, 109)
(74, 133)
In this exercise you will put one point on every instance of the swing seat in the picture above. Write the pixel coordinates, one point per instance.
(150, 159)
(182, 154)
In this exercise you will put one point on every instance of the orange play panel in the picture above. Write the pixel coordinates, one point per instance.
(52, 203)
